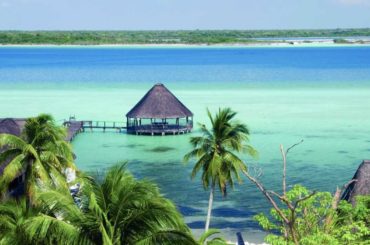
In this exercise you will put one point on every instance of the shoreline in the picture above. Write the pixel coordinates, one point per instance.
(185, 45)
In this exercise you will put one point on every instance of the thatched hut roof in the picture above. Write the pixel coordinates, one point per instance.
(159, 102)
(361, 186)
(10, 126)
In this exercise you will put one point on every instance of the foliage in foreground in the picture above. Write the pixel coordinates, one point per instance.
(211, 237)
(117, 210)
(317, 223)
(120, 210)
(40, 154)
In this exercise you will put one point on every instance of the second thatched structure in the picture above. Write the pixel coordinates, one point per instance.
(15, 127)
(361, 184)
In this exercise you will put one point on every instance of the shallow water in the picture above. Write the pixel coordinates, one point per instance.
(320, 95)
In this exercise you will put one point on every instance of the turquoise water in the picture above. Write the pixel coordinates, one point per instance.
(320, 95)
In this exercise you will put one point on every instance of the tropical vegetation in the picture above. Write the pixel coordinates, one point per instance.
(119, 210)
(40, 155)
(168, 37)
(216, 152)
(114, 210)
(300, 216)
(211, 237)
(315, 221)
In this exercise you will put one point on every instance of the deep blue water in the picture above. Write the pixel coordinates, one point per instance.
(248, 66)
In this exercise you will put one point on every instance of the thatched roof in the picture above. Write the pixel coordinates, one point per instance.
(10, 126)
(159, 102)
(361, 186)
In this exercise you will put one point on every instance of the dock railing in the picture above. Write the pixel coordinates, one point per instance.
(103, 125)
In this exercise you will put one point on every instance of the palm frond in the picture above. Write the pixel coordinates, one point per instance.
(52, 230)
(6, 155)
(204, 160)
(11, 141)
(167, 237)
(12, 170)
(205, 238)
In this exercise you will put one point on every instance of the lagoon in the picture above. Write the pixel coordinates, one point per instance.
(318, 94)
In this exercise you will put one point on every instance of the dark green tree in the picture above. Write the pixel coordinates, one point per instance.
(119, 210)
(40, 154)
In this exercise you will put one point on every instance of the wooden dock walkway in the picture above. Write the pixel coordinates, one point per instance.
(75, 127)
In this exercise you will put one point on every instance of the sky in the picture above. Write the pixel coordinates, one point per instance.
(182, 14)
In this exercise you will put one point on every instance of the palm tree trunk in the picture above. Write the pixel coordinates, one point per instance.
(210, 202)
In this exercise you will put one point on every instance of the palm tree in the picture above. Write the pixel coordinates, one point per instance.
(13, 214)
(210, 238)
(120, 210)
(40, 154)
(22, 225)
(216, 151)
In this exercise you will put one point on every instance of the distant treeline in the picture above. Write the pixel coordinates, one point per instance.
(166, 37)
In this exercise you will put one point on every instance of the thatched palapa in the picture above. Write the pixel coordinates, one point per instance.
(159, 112)
(15, 127)
(362, 184)
(10, 126)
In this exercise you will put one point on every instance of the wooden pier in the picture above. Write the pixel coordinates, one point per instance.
(75, 127)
